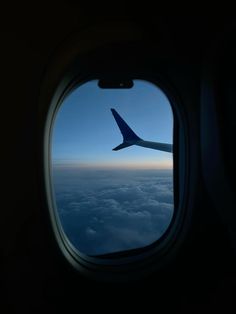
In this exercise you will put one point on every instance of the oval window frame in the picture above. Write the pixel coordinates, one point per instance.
(76, 70)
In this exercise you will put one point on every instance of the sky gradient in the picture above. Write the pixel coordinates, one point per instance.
(85, 131)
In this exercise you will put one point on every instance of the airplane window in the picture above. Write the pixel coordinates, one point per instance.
(112, 166)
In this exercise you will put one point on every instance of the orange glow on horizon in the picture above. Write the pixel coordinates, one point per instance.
(160, 165)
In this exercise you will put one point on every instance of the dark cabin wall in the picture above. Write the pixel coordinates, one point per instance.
(34, 276)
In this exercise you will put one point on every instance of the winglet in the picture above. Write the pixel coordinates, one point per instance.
(123, 145)
(126, 131)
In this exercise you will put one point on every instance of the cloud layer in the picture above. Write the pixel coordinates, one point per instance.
(105, 211)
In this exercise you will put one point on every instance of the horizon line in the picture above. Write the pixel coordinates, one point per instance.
(113, 166)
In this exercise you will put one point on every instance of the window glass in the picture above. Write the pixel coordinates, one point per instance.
(110, 200)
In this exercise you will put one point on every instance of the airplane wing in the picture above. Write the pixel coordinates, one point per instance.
(130, 138)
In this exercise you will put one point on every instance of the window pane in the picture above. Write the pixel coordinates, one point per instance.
(110, 201)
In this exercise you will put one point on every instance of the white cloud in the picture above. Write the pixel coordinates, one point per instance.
(113, 214)
(90, 231)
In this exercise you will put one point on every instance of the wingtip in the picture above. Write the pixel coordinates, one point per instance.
(113, 111)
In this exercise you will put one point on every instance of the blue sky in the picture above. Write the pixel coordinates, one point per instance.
(85, 131)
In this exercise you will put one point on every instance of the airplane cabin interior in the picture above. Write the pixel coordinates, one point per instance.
(45, 47)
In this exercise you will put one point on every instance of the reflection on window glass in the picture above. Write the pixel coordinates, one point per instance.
(113, 200)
